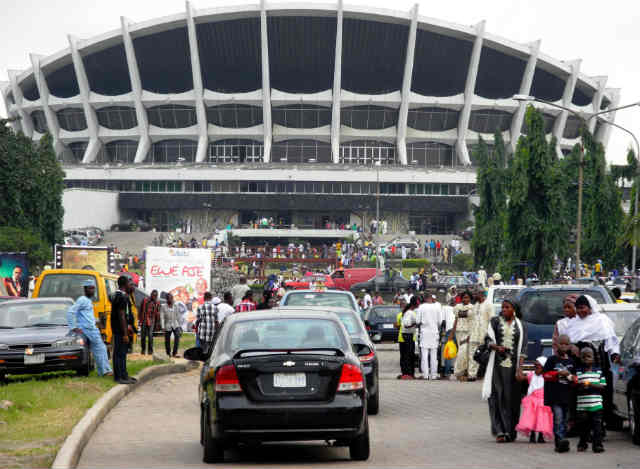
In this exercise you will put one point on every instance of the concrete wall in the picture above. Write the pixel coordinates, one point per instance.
(84, 207)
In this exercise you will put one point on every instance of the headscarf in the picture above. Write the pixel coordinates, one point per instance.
(594, 327)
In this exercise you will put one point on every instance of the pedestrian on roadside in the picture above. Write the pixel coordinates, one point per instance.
(264, 304)
(462, 331)
(81, 320)
(239, 289)
(170, 324)
(247, 303)
(448, 319)
(225, 308)
(429, 319)
(536, 417)
(480, 321)
(206, 323)
(408, 345)
(591, 384)
(120, 309)
(149, 317)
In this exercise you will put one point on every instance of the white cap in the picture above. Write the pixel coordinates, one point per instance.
(216, 300)
(542, 360)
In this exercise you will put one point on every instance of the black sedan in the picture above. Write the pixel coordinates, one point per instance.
(362, 344)
(35, 337)
(279, 376)
(626, 389)
(381, 322)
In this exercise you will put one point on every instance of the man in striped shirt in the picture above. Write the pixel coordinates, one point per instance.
(591, 382)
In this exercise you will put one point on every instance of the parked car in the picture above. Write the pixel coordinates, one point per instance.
(541, 307)
(278, 376)
(344, 279)
(497, 293)
(92, 235)
(35, 337)
(335, 298)
(385, 281)
(626, 389)
(362, 344)
(467, 233)
(131, 225)
(407, 243)
(381, 322)
(623, 315)
(306, 282)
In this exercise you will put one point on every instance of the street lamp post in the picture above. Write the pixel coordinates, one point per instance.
(378, 164)
(585, 122)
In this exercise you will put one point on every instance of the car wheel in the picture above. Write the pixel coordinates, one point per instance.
(634, 420)
(213, 450)
(373, 405)
(84, 370)
(359, 447)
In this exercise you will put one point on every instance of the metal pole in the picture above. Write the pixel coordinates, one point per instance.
(579, 223)
(377, 225)
(634, 247)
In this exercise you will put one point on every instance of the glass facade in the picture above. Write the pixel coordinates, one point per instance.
(39, 121)
(301, 151)
(433, 119)
(487, 121)
(172, 116)
(301, 116)
(75, 152)
(572, 129)
(430, 154)
(117, 117)
(120, 151)
(368, 152)
(549, 121)
(236, 116)
(236, 151)
(172, 151)
(368, 117)
(72, 119)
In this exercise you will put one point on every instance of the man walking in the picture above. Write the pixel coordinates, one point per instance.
(120, 307)
(239, 289)
(149, 316)
(428, 319)
(226, 307)
(206, 323)
(81, 319)
(170, 323)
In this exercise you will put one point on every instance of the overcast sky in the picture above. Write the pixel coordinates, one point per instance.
(605, 35)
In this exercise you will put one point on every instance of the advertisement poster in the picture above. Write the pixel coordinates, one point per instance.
(14, 274)
(185, 273)
(80, 257)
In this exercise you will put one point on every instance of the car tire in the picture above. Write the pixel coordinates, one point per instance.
(213, 450)
(634, 419)
(85, 369)
(359, 447)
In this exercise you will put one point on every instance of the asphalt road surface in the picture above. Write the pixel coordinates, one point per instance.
(421, 424)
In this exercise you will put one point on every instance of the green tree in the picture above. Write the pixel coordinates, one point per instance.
(13, 239)
(534, 222)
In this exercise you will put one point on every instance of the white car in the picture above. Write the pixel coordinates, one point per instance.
(497, 293)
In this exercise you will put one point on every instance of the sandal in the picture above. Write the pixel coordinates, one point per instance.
(501, 438)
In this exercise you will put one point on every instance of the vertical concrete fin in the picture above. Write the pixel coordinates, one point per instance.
(144, 145)
(25, 123)
(337, 88)
(198, 89)
(469, 92)
(50, 116)
(266, 83)
(569, 87)
(525, 88)
(401, 140)
(596, 102)
(604, 133)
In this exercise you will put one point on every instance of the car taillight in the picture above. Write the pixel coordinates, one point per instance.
(227, 379)
(350, 378)
(366, 358)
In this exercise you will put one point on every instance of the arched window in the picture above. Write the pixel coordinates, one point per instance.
(572, 128)
(172, 151)
(236, 116)
(72, 119)
(433, 119)
(236, 151)
(302, 116)
(368, 152)
(487, 121)
(172, 116)
(39, 121)
(430, 154)
(117, 117)
(301, 151)
(368, 117)
(120, 151)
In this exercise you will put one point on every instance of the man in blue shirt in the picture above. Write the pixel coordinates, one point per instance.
(81, 320)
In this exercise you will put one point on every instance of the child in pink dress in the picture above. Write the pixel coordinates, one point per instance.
(535, 417)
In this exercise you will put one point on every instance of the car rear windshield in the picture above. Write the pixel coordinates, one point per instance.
(339, 300)
(33, 314)
(545, 307)
(351, 323)
(64, 286)
(387, 314)
(285, 334)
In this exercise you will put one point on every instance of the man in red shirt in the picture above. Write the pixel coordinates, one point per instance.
(149, 316)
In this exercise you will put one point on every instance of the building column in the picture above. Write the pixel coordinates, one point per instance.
(5, 88)
(94, 146)
(52, 119)
(525, 89)
(403, 113)
(198, 89)
(569, 87)
(596, 102)
(266, 84)
(337, 88)
(144, 145)
(25, 122)
(605, 129)
(469, 93)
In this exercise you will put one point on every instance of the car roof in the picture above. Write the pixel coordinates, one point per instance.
(305, 308)
(276, 314)
(41, 300)
(340, 292)
(578, 286)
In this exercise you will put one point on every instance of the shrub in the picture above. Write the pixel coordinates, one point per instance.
(415, 263)
(463, 262)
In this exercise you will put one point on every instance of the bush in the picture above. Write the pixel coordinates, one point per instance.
(415, 263)
(463, 262)
(24, 240)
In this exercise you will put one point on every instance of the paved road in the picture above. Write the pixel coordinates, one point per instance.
(421, 424)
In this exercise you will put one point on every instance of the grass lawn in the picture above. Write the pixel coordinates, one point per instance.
(45, 409)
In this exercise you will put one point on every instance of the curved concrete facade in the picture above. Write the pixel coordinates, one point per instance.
(179, 73)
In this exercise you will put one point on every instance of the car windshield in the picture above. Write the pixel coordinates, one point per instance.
(33, 314)
(386, 314)
(545, 307)
(64, 286)
(351, 323)
(285, 334)
(339, 300)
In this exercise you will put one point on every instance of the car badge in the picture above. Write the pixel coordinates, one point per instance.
(288, 363)
(28, 351)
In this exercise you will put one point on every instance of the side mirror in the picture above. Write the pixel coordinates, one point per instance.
(195, 354)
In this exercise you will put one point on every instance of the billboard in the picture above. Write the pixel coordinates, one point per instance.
(85, 257)
(14, 274)
(185, 273)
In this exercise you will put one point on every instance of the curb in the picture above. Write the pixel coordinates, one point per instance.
(387, 347)
(71, 450)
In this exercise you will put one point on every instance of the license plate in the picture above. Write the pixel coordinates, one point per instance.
(387, 326)
(35, 359)
(289, 380)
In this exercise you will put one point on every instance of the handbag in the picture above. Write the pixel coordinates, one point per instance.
(450, 350)
(482, 353)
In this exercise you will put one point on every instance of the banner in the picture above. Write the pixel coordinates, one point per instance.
(185, 273)
(14, 274)
(84, 257)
